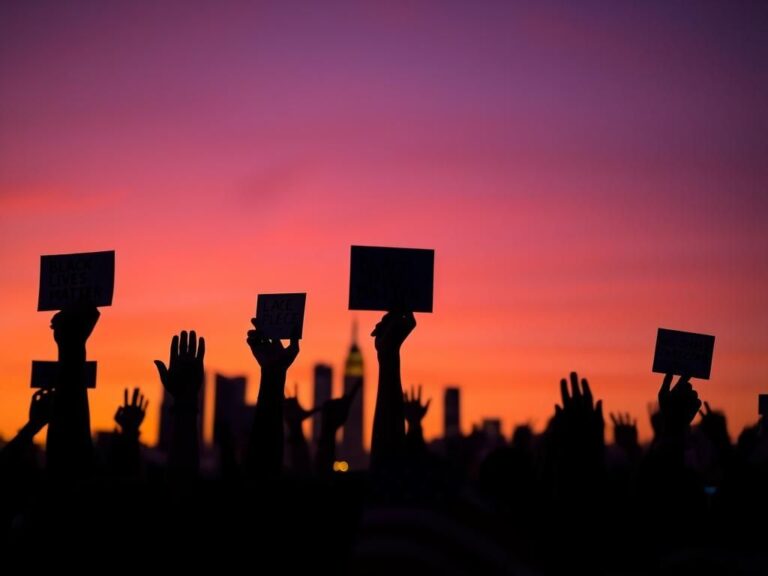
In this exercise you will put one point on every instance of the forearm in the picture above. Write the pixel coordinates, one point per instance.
(12, 451)
(299, 450)
(326, 451)
(389, 420)
(184, 456)
(265, 456)
(69, 432)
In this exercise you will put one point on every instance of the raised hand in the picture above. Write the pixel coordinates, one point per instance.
(624, 431)
(270, 353)
(41, 409)
(413, 408)
(579, 413)
(678, 406)
(714, 425)
(183, 377)
(293, 412)
(392, 331)
(131, 414)
(336, 410)
(72, 326)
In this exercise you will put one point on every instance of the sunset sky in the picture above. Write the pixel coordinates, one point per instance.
(585, 171)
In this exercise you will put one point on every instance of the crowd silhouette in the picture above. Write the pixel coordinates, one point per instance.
(561, 501)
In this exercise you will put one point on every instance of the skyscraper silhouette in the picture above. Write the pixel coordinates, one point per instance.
(452, 413)
(323, 390)
(352, 436)
(230, 412)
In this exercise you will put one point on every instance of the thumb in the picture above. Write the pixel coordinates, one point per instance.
(162, 371)
(665, 387)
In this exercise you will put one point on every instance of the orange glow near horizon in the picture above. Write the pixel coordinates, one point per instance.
(583, 179)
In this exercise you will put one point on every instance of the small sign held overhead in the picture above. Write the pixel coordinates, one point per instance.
(45, 374)
(281, 315)
(68, 279)
(391, 279)
(683, 353)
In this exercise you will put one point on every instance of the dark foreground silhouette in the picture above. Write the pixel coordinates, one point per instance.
(561, 501)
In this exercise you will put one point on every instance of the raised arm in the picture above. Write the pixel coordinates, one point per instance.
(334, 414)
(39, 415)
(388, 442)
(69, 449)
(183, 378)
(265, 450)
(414, 412)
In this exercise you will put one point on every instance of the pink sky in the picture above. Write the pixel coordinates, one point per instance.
(585, 174)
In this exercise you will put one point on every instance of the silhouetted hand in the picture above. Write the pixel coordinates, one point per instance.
(270, 353)
(714, 425)
(413, 408)
(72, 326)
(131, 414)
(293, 413)
(336, 410)
(392, 330)
(40, 409)
(184, 374)
(625, 431)
(579, 409)
(678, 406)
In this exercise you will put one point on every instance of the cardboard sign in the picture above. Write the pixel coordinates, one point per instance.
(68, 279)
(45, 374)
(762, 405)
(281, 315)
(390, 279)
(683, 353)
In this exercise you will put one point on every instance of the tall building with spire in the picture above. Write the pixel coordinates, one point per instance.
(351, 448)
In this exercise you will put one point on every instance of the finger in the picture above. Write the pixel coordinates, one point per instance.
(599, 409)
(613, 419)
(201, 349)
(665, 386)
(144, 405)
(564, 392)
(293, 347)
(192, 344)
(419, 394)
(253, 321)
(707, 408)
(162, 371)
(587, 391)
(135, 401)
(683, 383)
(125, 397)
(184, 343)
(426, 406)
(174, 349)
(575, 391)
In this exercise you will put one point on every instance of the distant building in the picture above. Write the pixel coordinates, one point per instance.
(230, 412)
(351, 448)
(323, 393)
(491, 427)
(452, 413)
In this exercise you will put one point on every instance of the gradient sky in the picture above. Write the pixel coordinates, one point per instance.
(586, 172)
